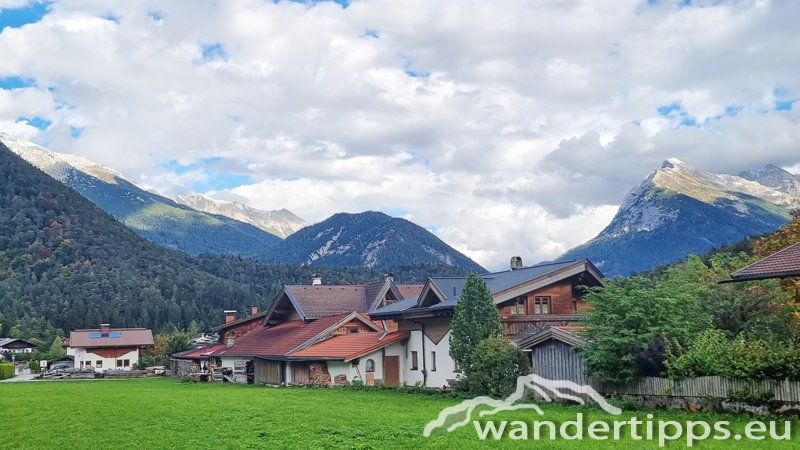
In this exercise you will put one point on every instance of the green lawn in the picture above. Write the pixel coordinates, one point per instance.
(162, 413)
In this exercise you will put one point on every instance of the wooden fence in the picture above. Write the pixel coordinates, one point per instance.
(708, 387)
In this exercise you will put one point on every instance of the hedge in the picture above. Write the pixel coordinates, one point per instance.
(6, 371)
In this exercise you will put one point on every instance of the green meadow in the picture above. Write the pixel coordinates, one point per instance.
(162, 413)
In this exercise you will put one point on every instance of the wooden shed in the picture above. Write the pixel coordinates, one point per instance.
(552, 355)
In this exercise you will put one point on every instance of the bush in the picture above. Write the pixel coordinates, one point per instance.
(744, 357)
(35, 367)
(6, 371)
(496, 365)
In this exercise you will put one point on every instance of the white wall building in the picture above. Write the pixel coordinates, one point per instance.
(108, 348)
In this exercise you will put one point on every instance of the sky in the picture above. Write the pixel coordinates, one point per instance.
(504, 127)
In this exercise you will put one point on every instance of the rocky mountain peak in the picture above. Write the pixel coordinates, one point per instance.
(281, 223)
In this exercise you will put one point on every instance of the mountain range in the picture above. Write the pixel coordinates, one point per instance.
(197, 224)
(153, 216)
(67, 264)
(679, 210)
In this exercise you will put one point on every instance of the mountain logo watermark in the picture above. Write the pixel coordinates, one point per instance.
(546, 388)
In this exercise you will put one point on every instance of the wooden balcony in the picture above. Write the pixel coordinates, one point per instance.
(528, 324)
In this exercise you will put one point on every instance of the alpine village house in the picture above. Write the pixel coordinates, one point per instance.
(385, 332)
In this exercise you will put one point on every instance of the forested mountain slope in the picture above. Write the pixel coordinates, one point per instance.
(66, 262)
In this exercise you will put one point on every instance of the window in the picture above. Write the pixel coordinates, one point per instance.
(456, 367)
(541, 305)
(127, 363)
(352, 330)
(370, 365)
(414, 362)
(433, 361)
(81, 364)
(574, 305)
(519, 306)
(98, 364)
(119, 363)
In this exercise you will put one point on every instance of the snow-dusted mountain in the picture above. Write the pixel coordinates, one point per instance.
(151, 215)
(679, 210)
(281, 222)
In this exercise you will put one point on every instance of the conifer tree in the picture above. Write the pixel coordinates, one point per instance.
(475, 318)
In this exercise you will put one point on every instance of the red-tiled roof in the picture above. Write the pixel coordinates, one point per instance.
(325, 300)
(200, 352)
(128, 337)
(349, 346)
(280, 339)
(785, 263)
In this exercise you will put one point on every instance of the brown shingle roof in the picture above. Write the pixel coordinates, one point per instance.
(785, 263)
(325, 300)
(371, 292)
(410, 290)
(128, 337)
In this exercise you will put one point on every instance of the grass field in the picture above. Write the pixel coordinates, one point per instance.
(162, 413)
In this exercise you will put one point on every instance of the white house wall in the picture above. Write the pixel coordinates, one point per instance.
(90, 359)
(339, 368)
(444, 363)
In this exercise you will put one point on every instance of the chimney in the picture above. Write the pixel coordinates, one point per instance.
(516, 262)
(388, 276)
(230, 315)
(104, 327)
(316, 279)
(254, 310)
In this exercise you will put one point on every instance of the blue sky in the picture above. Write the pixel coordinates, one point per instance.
(18, 17)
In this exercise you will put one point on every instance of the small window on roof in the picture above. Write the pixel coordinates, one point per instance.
(95, 335)
(352, 330)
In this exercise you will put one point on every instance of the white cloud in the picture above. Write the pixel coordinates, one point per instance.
(518, 137)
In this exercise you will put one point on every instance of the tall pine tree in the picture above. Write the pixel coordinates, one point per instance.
(475, 318)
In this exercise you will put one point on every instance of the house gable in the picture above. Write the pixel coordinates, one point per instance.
(430, 295)
(581, 270)
(388, 295)
(283, 309)
(352, 320)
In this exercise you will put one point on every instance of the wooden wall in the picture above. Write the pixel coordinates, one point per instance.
(362, 328)
(561, 296)
(268, 372)
(555, 360)
(241, 329)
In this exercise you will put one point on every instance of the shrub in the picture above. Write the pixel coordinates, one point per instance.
(744, 357)
(6, 371)
(496, 365)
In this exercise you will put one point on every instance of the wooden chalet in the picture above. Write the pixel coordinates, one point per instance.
(529, 300)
